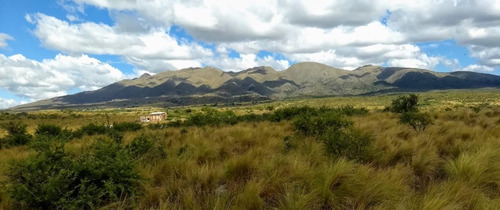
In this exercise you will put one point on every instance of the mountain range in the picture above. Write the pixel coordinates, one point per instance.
(211, 85)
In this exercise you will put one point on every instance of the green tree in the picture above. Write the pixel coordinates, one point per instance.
(404, 104)
(17, 134)
(418, 121)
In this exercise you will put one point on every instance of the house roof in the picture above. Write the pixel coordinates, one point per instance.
(157, 113)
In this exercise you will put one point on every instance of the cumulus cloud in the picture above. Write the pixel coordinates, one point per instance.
(154, 46)
(473, 24)
(54, 77)
(3, 40)
(344, 34)
(246, 61)
(6, 103)
(475, 67)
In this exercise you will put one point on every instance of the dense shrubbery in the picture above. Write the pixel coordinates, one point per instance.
(145, 148)
(17, 134)
(316, 125)
(348, 142)
(350, 110)
(127, 126)
(54, 179)
(405, 104)
(331, 127)
(93, 129)
(418, 121)
(140, 146)
(212, 117)
(289, 113)
(48, 130)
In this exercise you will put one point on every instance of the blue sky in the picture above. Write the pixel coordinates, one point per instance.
(53, 48)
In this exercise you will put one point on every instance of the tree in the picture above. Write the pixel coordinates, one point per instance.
(404, 104)
(418, 121)
(17, 134)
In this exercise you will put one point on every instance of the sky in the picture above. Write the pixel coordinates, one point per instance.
(60, 47)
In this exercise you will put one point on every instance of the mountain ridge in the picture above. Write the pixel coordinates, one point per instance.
(306, 79)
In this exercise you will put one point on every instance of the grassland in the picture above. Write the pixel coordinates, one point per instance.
(453, 164)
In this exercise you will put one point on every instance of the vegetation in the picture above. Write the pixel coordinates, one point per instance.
(17, 134)
(410, 115)
(54, 179)
(404, 104)
(322, 154)
(418, 121)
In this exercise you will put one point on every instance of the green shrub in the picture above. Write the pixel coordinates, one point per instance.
(254, 117)
(158, 126)
(404, 104)
(140, 146)
(48, 130)
(115, 135)
(311, 125)
(350, 110)
(55, 131)
(350, 143)
(93, 129)
(127, 126)
(53, 179)
(289, 113)
(17, 134)
(211, 117)
(418, 121)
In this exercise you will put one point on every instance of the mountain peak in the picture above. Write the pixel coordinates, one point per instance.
(145, 75)
(212, 85)
(310, 64)
(369, 68)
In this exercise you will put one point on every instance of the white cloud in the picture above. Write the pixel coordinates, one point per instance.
(6, 103)
(344, 33)
(473, 24)
(328, 57)
(487, 55)
(475, 67)
(54, 77)
(154, 46)
(3, 40)
(246, 61)
(422, 62)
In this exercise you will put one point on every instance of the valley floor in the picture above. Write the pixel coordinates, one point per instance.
(264, 164)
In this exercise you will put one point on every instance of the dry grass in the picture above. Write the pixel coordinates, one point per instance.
(453, 164)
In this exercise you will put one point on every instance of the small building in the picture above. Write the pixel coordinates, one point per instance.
(154, 117)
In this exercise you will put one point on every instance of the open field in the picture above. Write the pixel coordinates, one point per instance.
(254, 163)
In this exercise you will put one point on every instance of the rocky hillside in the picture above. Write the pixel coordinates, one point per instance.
(210, 85)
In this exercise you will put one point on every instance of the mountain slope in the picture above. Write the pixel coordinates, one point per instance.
(211, 85)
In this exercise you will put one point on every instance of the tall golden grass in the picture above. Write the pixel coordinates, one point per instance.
(453, 164)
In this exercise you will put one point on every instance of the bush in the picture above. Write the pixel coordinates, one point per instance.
(404, 104)
(140, 146)
(48, 130)
(17, 134)
(53, 179)
(127, 126)
(211, 117)
(418, 121)
(158, 126)
(115, 135)
(254, 117)
(350, 143)
(289, 113)
(350, 110)
(311, 125)
(93, 129)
